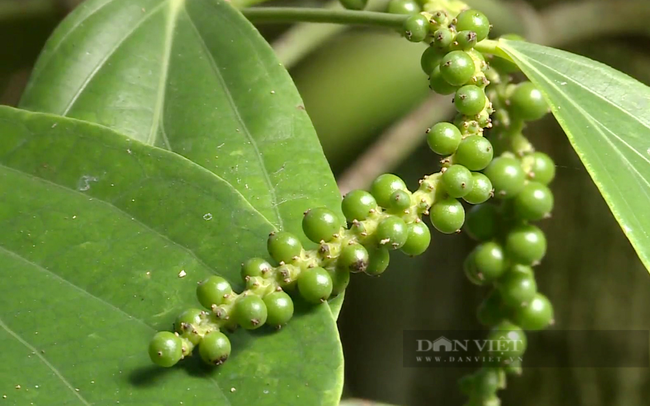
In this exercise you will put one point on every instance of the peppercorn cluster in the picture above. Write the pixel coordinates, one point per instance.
(491, 115)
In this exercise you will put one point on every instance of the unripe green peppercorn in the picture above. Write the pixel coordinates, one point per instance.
(215, 348)
(457, 68)
(353, 258)
(506, 176)
(534, 202)
(250, 311)
(315, 285)
(447, 215)
(213, 291)
(473, 20)
(320, 224)
(419, 238)
(357, 205)
(392, 232)
(255, 267)
(483, 222)
(279, 308)
(403, 7)
(416, 28)
(470, 100)
(525, 244)
(444, 138)
(457, 180)
(186, 323)
(481, 189)
(474, 152)
(284, 246)
(537, 315)
(490, 261)
(527, 103)
(430, 59)
(399, 201)
(438, 84)
(379, 259)
(165, 349)
(384, 186)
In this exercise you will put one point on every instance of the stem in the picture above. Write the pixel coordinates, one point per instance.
(489, 46)
(303, 38)
(317, 15)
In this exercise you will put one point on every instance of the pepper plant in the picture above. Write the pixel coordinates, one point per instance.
(169, 217)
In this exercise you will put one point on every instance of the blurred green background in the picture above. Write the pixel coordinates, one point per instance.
(370, 103)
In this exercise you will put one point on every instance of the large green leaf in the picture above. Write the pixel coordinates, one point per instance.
(194, 77)
(94, 232)
(606, 115)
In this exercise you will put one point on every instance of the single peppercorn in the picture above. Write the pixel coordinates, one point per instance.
(527, 103)
(187, 322)
(490, 261)
(403, 7)
(525, 244)
(416, 28)
(250, 312)
(399, 201)
(284, 246)
(320, 224)
(442, 38)
(384, 186)
(457, 181)
(510, 338)
(392, 232)
(419, 238)
(444, 138)
(542, 167)
(466, 40)
(536, 315)
(534, 202)
(474, 152)
(315, 285)
(506, 176)
(457, 68)
(483, 222)
(447, 215)
(353, 258)
(438, 84)
(517, 287)
(430, 59)
(470, 100)
(379, 259)
(357, 205)
(165, 349)
(255, 267)
(473, 20)
(279, 308)
(481, 189)
(215, 348)
(213, 291)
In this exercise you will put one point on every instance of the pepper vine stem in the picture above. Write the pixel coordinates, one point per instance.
(318, 15)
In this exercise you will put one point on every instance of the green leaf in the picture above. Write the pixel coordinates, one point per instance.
(95, 230)
(194, 77)
(606, 115)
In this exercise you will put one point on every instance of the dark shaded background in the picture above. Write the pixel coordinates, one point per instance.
(359, 83)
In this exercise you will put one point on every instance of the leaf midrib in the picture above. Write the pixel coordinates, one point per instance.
(231, 101)
(34, 351)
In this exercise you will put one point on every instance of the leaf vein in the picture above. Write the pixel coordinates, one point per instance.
(233, 105)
